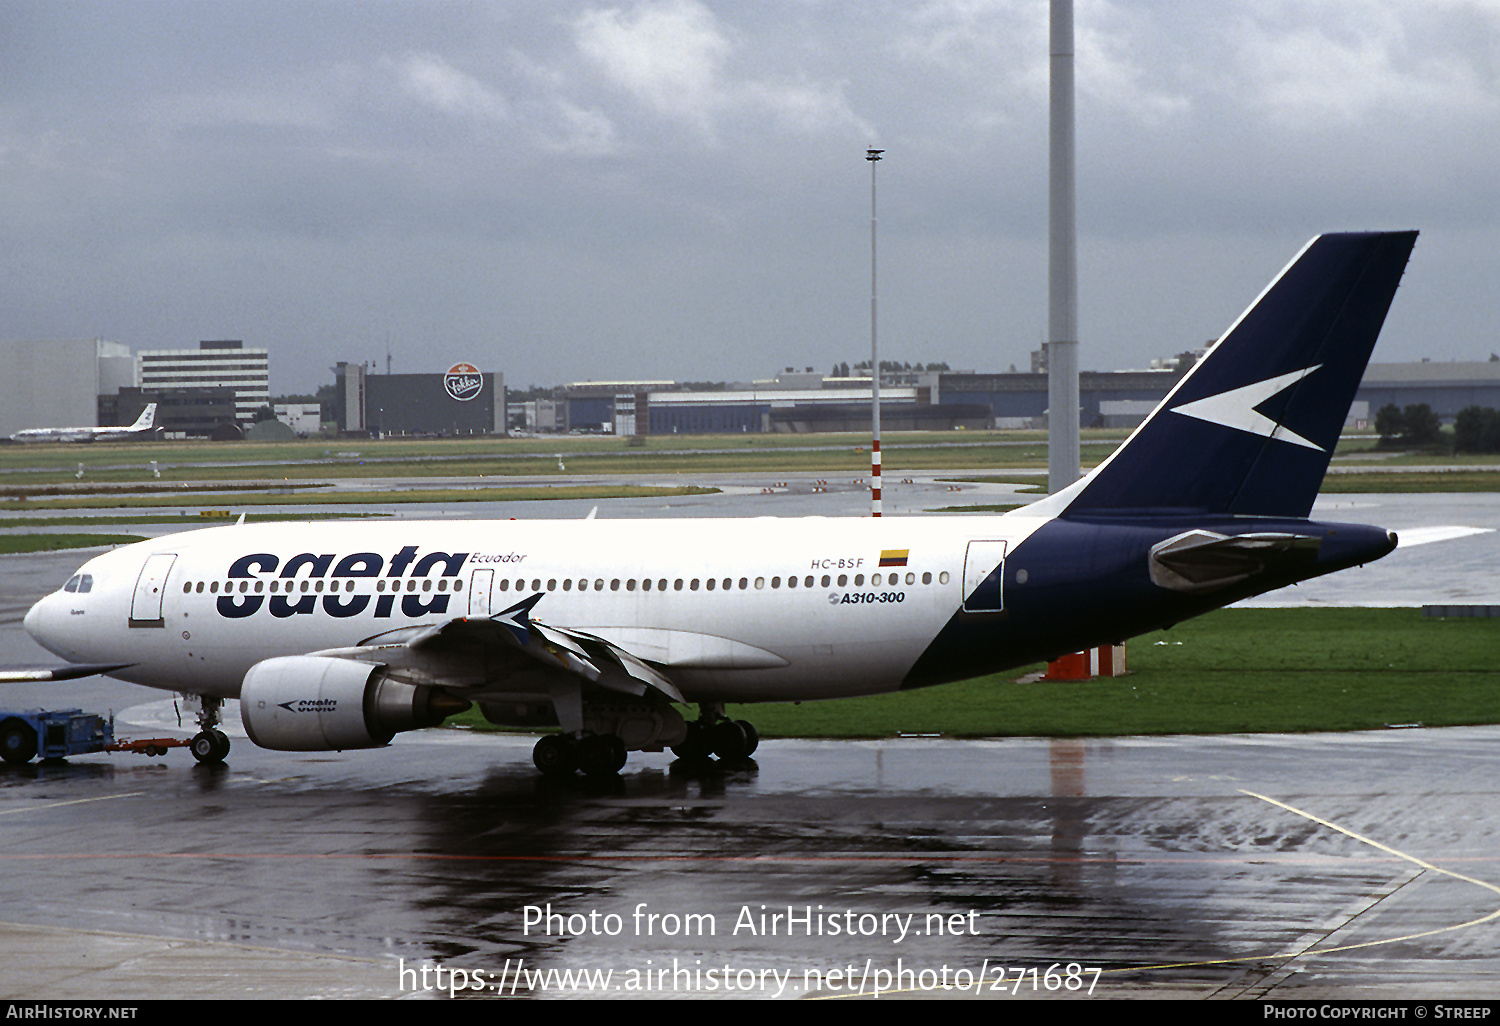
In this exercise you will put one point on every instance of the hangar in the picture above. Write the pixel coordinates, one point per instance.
(463, 400)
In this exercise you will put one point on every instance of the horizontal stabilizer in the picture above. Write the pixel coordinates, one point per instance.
(1205, 560)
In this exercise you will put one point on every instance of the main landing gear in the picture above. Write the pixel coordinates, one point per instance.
(558, 755)
(210, 745)
(714, 734)
(603, 754)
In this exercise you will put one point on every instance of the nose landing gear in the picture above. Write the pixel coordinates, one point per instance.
(210, 745)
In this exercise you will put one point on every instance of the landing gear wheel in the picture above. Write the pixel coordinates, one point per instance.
(17, 743)
(210, 747)
(729, 741)
(752, 737)
(554, 755)
(600, 755)
(695, 747)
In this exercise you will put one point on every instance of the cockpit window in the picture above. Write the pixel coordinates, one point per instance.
(72, 584)
(79, 583)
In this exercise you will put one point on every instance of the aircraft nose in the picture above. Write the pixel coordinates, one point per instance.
(41, 621)
(33, 620)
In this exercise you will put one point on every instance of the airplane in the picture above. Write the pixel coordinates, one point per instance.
(337, 636)
(144, 427)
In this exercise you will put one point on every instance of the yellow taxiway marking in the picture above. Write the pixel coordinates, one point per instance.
(1424, 865)
(1400, 855)
(1286, 955)
(75, 801)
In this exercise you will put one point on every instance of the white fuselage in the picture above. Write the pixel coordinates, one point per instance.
(732, 609)
(142, 428)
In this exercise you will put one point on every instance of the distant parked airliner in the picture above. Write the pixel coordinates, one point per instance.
(143, 427)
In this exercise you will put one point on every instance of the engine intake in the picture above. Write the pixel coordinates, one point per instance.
(321, 704)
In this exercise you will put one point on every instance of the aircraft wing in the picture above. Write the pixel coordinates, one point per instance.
(57, 673)
(474, 654)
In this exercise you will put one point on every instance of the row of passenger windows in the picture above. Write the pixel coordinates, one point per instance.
(725, 583)
(305, 584)
(447, 584)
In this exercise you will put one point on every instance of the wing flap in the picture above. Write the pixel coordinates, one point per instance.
(474, 652)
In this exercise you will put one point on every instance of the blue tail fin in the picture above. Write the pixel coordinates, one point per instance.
(1252, 426)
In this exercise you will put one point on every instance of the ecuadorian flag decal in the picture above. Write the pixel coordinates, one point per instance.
(894, 557)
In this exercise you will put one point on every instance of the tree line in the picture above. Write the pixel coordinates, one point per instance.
(862, 368)
(1475, 429)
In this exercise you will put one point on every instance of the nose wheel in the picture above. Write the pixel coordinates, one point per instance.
(210, 745)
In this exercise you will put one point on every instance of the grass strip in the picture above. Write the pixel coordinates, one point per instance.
(366, 498)
(1232, 671)
(994, 507)
(1415, 481)
(185, 522)
(14, 543)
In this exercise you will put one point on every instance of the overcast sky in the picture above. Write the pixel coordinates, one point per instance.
(677, 188)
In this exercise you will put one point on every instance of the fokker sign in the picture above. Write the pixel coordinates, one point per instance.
(463, 381)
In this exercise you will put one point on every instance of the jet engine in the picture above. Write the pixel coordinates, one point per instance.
(321, 704)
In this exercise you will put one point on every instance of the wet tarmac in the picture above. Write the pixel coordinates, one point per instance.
(1306, 867)
(1176, 867)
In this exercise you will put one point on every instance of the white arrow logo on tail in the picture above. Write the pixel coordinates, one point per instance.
(1236, 408)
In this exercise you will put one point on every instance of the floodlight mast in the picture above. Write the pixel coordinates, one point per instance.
(873, 156)
(1062, 263)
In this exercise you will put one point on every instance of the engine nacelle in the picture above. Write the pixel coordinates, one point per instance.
(322, 704)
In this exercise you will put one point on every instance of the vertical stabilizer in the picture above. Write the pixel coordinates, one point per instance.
(1251, 428)
(147, 420)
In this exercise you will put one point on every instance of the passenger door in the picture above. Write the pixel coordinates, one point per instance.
(150, 590)
(984, 573)
(480, 583)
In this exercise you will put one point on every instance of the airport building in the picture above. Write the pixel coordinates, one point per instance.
(180, 412)
(799, 402)
(57, 382)
(213, 365)
(1105, 398)
(1446, 387)
(93, 382)
(97, 383)
(303, 419)
(793, 402)
(463, 400)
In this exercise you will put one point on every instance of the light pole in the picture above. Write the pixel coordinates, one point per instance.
(873, 156)
(1062, 260)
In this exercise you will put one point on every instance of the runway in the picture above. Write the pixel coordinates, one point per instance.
(1296, 867)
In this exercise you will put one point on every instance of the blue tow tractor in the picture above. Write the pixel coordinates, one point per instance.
(58, 733)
